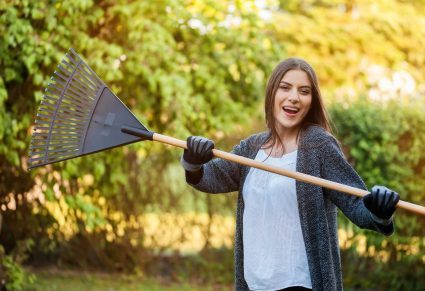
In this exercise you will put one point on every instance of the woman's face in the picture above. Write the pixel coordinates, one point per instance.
(292, 100)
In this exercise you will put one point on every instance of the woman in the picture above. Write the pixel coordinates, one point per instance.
(286, 230)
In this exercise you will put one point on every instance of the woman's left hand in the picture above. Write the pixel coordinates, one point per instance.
(381, 201)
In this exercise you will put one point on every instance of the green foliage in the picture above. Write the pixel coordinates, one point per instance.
(385, 142)
(361, 34)
(212, 266)
(182, 67)
(12, 275)
(386, 145)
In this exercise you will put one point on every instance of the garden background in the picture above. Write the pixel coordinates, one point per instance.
(199, 68)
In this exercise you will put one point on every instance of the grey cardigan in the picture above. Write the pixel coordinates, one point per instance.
(319, 154)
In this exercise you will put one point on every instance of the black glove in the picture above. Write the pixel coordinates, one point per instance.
(381, 201)
(199, 150)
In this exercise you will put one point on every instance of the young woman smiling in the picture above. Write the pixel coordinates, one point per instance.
(286, 231)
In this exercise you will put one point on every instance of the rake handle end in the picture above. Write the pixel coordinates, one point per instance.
(144, 134)
(418, 209)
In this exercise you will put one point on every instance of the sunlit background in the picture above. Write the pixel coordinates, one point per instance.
(200, 68)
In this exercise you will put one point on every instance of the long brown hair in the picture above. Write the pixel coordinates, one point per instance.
(317, 113)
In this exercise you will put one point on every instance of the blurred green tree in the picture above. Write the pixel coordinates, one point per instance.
(183, 67)
(343, 39)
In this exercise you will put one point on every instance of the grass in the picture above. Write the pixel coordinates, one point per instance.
(53, 279)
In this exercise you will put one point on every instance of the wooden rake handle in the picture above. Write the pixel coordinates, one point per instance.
(144, 134)
(291, 174)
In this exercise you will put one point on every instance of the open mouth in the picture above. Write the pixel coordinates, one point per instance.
(290, 110)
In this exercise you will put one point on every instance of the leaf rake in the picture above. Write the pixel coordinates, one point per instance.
(80, 115)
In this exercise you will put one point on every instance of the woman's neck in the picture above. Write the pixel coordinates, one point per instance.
(287, 141)
(289, 135)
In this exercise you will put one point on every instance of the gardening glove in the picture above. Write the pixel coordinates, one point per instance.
(198, 152)
(381, 202)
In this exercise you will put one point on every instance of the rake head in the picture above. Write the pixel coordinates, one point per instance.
(79, 115)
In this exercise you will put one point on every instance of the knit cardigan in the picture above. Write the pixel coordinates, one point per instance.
(320, 155)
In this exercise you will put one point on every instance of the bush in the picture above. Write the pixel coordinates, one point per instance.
(385, 142)
(12, 274)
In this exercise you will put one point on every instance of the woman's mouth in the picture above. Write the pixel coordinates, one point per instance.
(291, 111)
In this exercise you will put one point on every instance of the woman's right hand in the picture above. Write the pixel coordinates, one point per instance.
(198, 152)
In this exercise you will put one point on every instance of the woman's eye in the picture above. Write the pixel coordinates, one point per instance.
(284, 87)
(305, 92)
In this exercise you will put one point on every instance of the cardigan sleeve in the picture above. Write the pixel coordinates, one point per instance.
(221, 176)
(336, 168)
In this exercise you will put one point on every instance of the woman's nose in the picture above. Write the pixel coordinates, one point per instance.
(293, 96)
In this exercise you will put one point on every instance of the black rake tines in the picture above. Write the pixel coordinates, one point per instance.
(64, 113)
(80, 115)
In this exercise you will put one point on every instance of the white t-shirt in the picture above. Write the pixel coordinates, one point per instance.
(274, 250)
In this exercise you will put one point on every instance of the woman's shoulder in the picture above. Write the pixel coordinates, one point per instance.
(255, 141)
(316, 136)
(258, 137)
